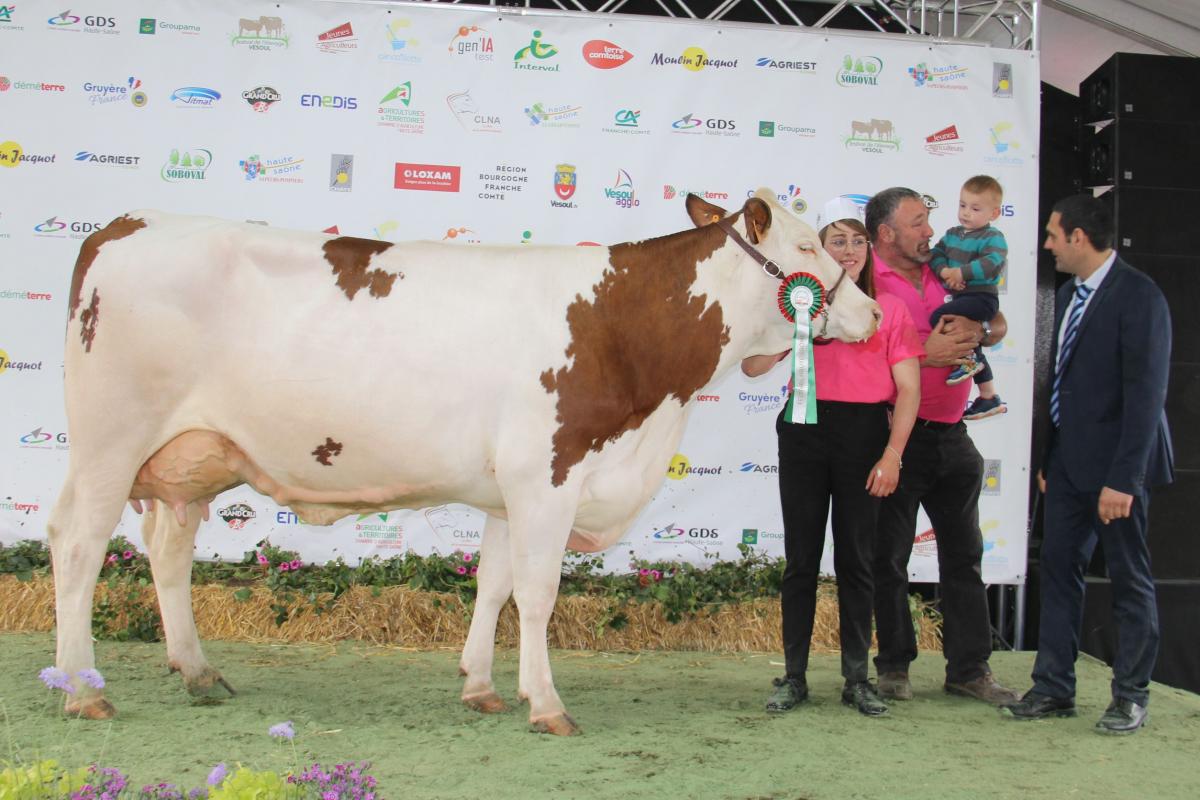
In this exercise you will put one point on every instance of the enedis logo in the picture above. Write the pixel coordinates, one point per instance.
(335, 101)
(473, 41)
(693, 59)
(428, 177)
(605, 55)
(860, 71)
(186, 165)
(537, 50)
(681, 467)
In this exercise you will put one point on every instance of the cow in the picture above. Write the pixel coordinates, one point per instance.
(272, 25)
(547, 386)
(247, 25)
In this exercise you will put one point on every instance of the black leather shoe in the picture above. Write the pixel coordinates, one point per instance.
(789, 693)
(1122, 717)
(863, 696)
(1039, 706)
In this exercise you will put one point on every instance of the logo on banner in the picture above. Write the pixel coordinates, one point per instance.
(338, 40)
(680, 468)
(789, 198)
(1005, 146)
(11, 154)
(993, 545)
(529, 56)
(104, 93)
(374, 529)
(693, 59)
(335, 101)
(8, 294)
(875, 136)
(8, 504)
(605, 55)
(949, 77)
(770, 129)
(113, 159)
(621, 192)
(186, 165)
(671, 192)
(762, 403)
(859, 71)
(462, 234)
(66, 21)
(669, 533)
(53, 227)
(564, 186)
(282, 169)
(687, 124)
(761, 469)
(63, 20)
(625, 121)
(7, 363)
(264, 34)
(394, 111)
(991, 476)
(473, 41)
(784, 65)
(151, 26)
(1002, 80)
(756, 535)
(195, 97)
(451, 528)
(468, 114)
(236, 515)
(341, 173)
(39, 439)
(6, 18)
(30, 86)
(401, 48)
(925, 544)
(945, 142)
(427, 177)
(710, 126)
(261, 98)
(503, 180)
(563, 115)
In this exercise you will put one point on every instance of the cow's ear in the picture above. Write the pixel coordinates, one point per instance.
(703, 212)
(758, 219)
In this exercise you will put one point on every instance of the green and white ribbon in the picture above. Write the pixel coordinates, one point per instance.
(801, 299)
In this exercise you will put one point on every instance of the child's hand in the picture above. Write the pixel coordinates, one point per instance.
(953, 277)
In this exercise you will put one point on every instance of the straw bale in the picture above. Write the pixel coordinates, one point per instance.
(404, 617)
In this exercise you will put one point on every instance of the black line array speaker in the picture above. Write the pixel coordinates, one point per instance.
(1155, 220)
(1142, 86)
(1179, 279)
(1136, 152)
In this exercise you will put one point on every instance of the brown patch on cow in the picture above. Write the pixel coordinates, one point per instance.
(327, 451)
(88, 320)
(624, 363)
(119, 228)
(351, 257)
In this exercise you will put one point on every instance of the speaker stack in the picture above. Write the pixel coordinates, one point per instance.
(1140, 145)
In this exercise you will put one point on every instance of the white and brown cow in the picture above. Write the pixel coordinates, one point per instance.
(546, 386)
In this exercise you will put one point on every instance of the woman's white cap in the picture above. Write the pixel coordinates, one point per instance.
(839, 208)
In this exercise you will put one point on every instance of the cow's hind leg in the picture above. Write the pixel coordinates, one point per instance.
(170, 546)
(495, 579)
(538, 530)
(87, 511)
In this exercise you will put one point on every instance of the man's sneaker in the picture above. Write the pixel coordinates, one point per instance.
(789, 693)
(985, 688)
(984, 407)
(895, 686)
(964, 372)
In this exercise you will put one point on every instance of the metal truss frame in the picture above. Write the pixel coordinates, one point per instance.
(1012, 23)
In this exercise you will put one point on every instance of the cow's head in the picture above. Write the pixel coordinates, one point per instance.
(793, 246)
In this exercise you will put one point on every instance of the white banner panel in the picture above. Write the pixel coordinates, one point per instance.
(462, 124)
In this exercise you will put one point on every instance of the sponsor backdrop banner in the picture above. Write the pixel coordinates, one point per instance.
(465, 125)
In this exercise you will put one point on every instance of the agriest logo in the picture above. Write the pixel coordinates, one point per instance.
(761, 469)
(428, 177)
(602, 54)
(787, 65)
(945, 142)
(112, 159)
(859, 71)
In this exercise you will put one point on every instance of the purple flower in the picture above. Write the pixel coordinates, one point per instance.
(461, 570)
(283, 731)
(330, 796)
(128, 554)
(297, 564)
(468, 557)
(643, 571)
(55, 678)
(112, 559)
(655, 574)
(262, 559)
(91, 677)
(474, 571)
(284, 567)
(217, 775)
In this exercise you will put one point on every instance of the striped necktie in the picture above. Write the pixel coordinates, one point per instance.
(1068, 344)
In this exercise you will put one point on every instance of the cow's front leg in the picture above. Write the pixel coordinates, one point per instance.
(170, 547)
(495, 579)
(537, 540)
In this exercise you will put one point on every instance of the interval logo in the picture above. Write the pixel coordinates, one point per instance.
(428, 177)
(536, 50)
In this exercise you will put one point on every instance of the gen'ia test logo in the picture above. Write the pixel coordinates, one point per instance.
(473, 41)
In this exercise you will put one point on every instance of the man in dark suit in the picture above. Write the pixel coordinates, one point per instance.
(1108, 446)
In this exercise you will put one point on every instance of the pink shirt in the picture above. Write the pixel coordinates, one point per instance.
(861, 372)
(939, 402)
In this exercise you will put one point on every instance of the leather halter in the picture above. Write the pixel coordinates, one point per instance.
(773, 270)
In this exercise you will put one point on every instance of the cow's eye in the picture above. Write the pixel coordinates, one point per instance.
(806, 248)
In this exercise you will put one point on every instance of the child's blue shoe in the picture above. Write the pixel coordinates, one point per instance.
(964, 372)
(984, 407)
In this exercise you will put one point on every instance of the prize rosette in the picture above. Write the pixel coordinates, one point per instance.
(801, 299)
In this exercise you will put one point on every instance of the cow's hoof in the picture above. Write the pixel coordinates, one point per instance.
(206, 682)
(559, 725)
(486, 703)
(94, 707)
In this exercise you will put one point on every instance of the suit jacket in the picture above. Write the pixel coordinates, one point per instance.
(1111, 401)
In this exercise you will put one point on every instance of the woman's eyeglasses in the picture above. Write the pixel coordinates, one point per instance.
(842, 243)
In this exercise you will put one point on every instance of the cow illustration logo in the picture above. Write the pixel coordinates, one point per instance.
(873, 136)
(264, 33)
(236, 515)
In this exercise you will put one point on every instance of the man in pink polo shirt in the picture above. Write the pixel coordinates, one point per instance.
(943, 472)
